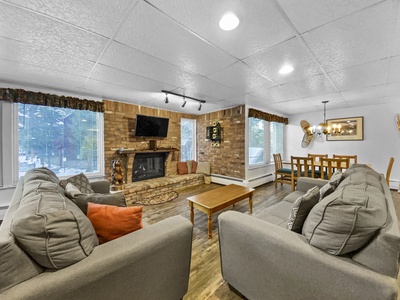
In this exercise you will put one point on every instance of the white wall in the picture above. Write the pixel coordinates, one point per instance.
(381, 137)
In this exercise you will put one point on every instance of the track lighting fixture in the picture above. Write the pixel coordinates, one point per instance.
(184, 98)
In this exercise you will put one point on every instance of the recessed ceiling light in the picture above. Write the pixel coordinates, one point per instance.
(229, 21)
(286, 69)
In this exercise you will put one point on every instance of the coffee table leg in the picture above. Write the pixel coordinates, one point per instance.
(251, 202)
(191, 212)
(209, 225)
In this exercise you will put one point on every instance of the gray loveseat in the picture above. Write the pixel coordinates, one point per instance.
(65, 260)
(262, 259)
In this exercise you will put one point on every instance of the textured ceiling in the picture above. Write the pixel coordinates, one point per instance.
(344, 51)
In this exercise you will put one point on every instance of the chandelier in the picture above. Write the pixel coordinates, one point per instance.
(323, 127)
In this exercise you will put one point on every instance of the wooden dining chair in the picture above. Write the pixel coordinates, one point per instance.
(301, 167)
(389, 170)
(352, 158)
(282, 175)
(330, 165)
(317, 158)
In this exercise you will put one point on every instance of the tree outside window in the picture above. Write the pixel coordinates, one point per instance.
(188, 139)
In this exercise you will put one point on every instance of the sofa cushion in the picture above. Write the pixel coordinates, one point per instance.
(326, 190)
(182, 168)
(41, 173)
(346, 220)
(203, 168)
(362, 177)
(293, 196)
(301, 208)
(336, 179)
(111, 222)
(356, 168)
(80, 181)
(51, 228)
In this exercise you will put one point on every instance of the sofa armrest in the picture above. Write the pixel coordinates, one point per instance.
(151, 263)
(306, 183)
(101, 186)
(264, 261)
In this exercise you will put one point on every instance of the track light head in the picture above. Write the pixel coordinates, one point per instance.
(200, 107)
(166, 98)
(184, 102)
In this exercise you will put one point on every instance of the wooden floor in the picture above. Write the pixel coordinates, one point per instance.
(205, 277)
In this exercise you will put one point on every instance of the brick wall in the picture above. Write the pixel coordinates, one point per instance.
(119, 125)
(229, 159)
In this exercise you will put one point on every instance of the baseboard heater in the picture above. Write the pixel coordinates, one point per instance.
(260, 177)
(226, 177)
(3, 207)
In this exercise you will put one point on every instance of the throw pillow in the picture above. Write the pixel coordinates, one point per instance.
(336, 178)
(203, 168)
(189, 165)
(72, 191)
(342, 222)
(111, 222)
(194, 167)
(326, 190)
(80, 181)
(115, 199)
(182, 168)
(301, 208)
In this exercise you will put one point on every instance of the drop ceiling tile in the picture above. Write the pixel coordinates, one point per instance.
(150, 31)
(317, 85)
(309, 14)
(333, 98)
(99, 16)
(208, 87)
(265, 94)
(396, 37)
(292, 52)
(122, 78)
(44, 58)
(393, 90)
(240, 77)
(354, 39)
(365, 102)
(255, 32)
(394, 69)
(22, 25)
(369, 74)
(364, 93)
(130, 60)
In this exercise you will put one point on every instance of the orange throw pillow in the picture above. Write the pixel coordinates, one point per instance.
(111, 222)
(182, 168)
(194, 166)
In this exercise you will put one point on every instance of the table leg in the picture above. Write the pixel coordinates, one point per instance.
(251, 202)
(191, 212)
(209, 225)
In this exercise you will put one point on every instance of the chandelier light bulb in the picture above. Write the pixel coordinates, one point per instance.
(229, 21)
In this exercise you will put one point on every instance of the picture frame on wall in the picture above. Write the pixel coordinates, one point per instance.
(351, 129)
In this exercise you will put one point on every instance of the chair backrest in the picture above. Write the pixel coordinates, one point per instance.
(389, 170)
(330, 165)
(278, 161)
(352, 158)
(302, 166)
(317, 157)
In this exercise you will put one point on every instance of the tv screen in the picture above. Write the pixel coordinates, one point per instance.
(147, 126)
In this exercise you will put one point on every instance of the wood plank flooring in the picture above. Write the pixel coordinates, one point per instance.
(205, 277)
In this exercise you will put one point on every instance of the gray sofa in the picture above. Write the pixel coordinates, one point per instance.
(150, 263)
(262, 259)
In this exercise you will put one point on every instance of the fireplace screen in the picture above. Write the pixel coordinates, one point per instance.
(148, 165)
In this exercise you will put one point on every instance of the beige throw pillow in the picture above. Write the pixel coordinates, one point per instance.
(203, 168)
(301, 208)
(80, 181)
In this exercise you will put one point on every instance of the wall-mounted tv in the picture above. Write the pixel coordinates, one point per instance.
(147, 126)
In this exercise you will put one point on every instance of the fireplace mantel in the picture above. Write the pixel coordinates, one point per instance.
(133, 151)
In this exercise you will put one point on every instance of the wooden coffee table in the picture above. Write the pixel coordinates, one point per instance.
(217, 199)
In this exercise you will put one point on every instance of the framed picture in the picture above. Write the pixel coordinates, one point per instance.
(346, 129)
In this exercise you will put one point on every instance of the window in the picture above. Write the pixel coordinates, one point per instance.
(276, 139)
(188, 139)
(256, 141)
(264, 143)
(67, 141)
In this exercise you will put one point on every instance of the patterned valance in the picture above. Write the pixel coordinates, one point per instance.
(254, 113)
(28, 97)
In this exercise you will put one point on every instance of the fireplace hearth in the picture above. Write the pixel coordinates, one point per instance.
(148, 165)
